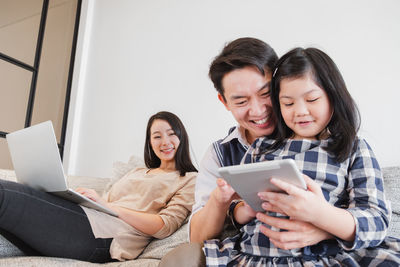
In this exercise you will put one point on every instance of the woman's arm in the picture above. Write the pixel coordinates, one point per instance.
(144, 222)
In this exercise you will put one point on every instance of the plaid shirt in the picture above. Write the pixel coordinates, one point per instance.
(355, 185)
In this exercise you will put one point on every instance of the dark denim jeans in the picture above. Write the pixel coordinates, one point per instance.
(43, 224)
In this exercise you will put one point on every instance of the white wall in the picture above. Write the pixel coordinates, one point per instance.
(147, 56)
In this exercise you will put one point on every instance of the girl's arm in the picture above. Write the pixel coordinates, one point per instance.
(297, 233)
(367, 202)
(362, 224)
(311, 206)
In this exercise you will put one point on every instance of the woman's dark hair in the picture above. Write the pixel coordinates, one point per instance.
(345, 120)
(240, 53)
(183, 162)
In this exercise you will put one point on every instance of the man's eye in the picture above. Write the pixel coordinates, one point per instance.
(266, 94)
(241, 103)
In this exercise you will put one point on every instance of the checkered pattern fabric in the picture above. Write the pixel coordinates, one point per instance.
(355, 184)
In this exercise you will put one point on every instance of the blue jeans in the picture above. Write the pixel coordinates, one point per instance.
(44, 224)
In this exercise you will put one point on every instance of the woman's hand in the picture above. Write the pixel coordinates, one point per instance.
(298, 204)
(91, 194)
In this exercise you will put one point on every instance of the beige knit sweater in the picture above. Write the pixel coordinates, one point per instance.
(168, 195)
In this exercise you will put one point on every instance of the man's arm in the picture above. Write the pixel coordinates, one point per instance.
(208, 222)
(212, 201)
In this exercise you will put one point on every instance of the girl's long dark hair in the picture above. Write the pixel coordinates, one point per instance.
(345, 121)
(183, 162)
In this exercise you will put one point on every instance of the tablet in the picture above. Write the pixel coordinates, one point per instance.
(249, 179)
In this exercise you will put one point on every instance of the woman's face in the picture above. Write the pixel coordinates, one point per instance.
(305, 107)
(163, 140)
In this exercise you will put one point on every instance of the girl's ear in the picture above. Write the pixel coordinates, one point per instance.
(222, 99)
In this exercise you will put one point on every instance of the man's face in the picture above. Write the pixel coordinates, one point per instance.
(247, 96)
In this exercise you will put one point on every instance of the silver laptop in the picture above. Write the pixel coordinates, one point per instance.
(37, 163)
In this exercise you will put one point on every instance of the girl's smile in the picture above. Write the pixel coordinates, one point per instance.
(305, 107)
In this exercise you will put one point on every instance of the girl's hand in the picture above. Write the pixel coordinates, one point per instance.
(298, 234)
(224, 193)
(298, 203)
(91, 194)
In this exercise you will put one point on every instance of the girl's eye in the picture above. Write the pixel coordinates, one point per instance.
(156, 137)
(171, 134)
(287, 104)
(313, 100)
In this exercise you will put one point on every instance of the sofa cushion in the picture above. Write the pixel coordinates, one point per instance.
(7, 249)
(98, 184)
(121, 168)
(391, 177)
(159, 247)
(28, 261)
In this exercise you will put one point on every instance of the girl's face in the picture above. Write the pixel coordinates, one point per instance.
(163, 141)
(304, 106)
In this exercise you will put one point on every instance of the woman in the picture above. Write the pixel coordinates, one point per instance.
(150, 202)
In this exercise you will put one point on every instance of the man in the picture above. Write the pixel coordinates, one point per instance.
(241, 74)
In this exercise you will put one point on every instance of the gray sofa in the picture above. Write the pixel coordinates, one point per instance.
(151, 256)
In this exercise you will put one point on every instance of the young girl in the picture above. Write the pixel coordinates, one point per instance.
(317, 124)
(150, 202)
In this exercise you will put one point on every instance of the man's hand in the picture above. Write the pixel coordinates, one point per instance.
(209, 221)
(223, 193)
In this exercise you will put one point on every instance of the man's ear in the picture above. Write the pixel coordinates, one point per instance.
(222, 99)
